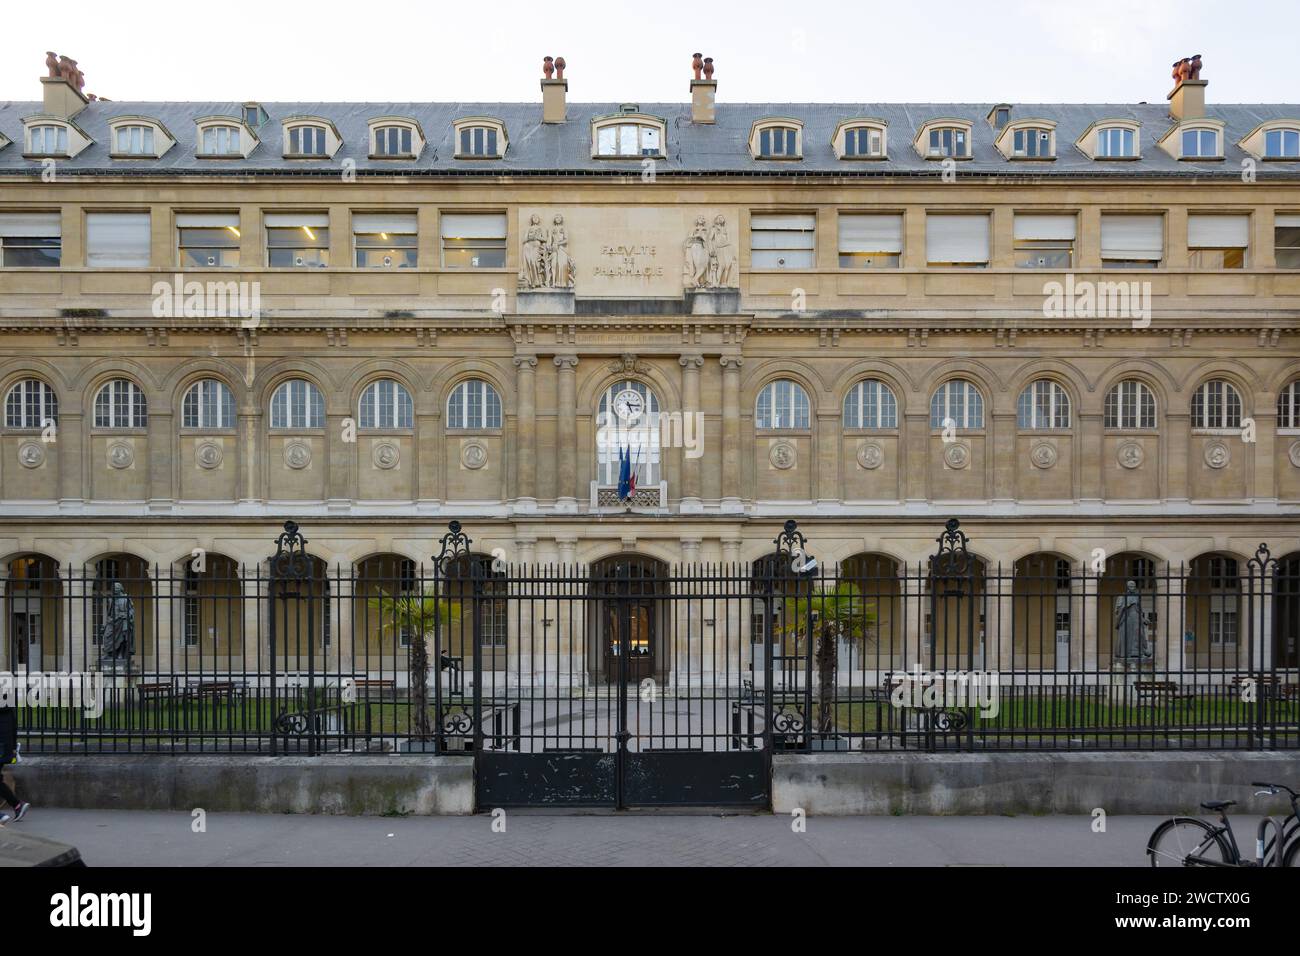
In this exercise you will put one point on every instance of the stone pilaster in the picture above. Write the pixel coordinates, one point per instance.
(731, 496)
(691, 500)
(526, 434)
(566, 433)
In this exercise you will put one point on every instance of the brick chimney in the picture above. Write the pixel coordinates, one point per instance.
(554, 87)
(62, 88)
(1187, 100)
(703, 90)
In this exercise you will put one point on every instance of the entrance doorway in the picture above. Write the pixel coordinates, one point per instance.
(630, 595)
(25, 631)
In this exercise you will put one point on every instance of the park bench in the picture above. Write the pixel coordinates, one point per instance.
(1267, 686)
(371, 687)
(215, 690)
(154, 690)
(1160, 693)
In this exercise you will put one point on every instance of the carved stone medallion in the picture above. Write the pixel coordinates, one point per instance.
(1130, 455)
(297, 455)
(871, 456)
(208, 455)
(956, 455)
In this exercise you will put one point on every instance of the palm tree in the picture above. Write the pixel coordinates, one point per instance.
(837, 612)
(422, 616)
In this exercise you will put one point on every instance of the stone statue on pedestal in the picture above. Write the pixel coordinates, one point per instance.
(117, 633)
(1132, 640)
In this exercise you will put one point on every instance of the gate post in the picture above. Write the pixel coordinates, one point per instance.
(951, 572)
(1261, 663)
(290, 568)
(454, 545)
(788, 563)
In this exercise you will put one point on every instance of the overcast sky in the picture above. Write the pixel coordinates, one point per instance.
(1018, 51)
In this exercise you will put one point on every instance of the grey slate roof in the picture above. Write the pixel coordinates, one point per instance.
(720, 148)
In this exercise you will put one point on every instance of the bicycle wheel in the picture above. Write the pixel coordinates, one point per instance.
(1186, 841)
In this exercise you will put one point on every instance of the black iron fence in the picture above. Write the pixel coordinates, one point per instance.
(634, 656)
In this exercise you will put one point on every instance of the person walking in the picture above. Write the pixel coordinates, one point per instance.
(8, 757)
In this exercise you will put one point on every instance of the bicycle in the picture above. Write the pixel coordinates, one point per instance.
(1189, 841)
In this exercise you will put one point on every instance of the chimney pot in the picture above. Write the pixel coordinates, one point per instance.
(61, 89)
(703, 91)
(553, 90)
(1187, 99)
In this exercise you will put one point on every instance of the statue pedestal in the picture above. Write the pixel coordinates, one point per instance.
(712, 301)
(1123, 675)
(544, 301)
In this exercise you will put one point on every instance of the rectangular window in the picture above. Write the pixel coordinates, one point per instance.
(384, 240)
(1044, 241)
(949, 141)
(221, 141)
(782, 241)
(777, 141)
(1200, 143)
(208, 240)
(118, 239)
(1286, 240)
(870, 241)
(957, 241)
(1282, 144)
(49, 140)
(1218, 242)
(474, 240)
(479, 141)
(31, 240)
(863, 141)
(1031, 144)
(1132, 242)
(1115, 143)
(393, 141)
(133, 141)
(307, 141)
(297, 240)
(628, 139)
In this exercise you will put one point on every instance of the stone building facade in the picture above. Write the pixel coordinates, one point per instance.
(1074, 327)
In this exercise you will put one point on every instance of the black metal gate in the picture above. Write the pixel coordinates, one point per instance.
(629, 683)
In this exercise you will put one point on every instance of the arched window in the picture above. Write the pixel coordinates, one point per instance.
(208, 403)
(385, 404)
(1288, 406)
(627, 423)
(297, 403)
(870, 404)
(1043, 404)
(474, 404)
(1130, 405)
(220, 140)
(1216, 404)
(31, 404)
(120, 404)
(960, 401)
(782, 404)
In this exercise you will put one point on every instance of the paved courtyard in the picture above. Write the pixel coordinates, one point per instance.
(532, 838)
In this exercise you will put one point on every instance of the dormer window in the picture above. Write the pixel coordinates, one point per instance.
(1000, 116)
(220, 141)
(1116, 142)
(626, 137)
(478, 141)
(1031, 142)
(776, 138)
(948, 141)
(1282, 144)
(1200, 144)
(860, 140)
(393, 141)
(254, 115)
(47, 140)
(307, 141)
(133, 141)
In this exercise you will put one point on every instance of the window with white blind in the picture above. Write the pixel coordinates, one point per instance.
(959, 402)
(220, 141)
(133, 140)
(957, 240)
(1288, 406)
(1216, 405)
(118, 239)
(297, 240)
(297, 403)
(385, 404)
(1217, 242)
(385, 240)
(121, 404)
(30, 405)
(870, 404)
(1042, 406)
(782, 404)
(1286, 240)
(208, 404)
(31, 239)
(473, 404)
(870, 241)
(473, 240)
(208, 240)
(47, 140)
(1130, 406)
(782, 241)
(1044, 241)
(1132, 242)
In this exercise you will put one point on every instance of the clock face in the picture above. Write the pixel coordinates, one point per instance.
(628, 404)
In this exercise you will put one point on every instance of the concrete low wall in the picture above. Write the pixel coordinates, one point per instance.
(843, 784)
(343, 784)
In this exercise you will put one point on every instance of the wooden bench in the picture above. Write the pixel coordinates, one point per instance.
(369, 687)
(157, 690)
(216, 689)
(1154, 693)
